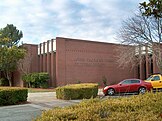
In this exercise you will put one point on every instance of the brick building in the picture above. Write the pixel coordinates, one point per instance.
(72, 61)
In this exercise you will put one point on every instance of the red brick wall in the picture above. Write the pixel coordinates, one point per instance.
(30, 64)
(53, 70)
(79, 61)
(88, 61)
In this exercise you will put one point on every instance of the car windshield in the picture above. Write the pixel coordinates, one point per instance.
(148, 79)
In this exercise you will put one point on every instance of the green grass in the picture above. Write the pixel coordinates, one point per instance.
(34, 90)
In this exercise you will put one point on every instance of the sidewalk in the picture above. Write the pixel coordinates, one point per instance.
(25, 112)
(38, 102)
(47, 100)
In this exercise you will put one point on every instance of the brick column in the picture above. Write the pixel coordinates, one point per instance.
(60, 61)
(147, 63)
(40, 58)
(155, 67)
(48, 62)
(53, 65)
(141, 69)
(44, 58)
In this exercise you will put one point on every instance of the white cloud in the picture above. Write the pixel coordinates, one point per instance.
(41, 20)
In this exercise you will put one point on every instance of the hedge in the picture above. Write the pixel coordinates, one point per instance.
(146, 107)
(4, 82)
(77, 91)
(12, 95)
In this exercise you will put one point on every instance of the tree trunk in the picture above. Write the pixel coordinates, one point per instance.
(29, 85)
(8, 76)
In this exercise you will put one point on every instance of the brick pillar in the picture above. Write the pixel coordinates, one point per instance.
(142, 74)
(60, 61)
(135, 72)
(141, 70)
(48, 62)
(53, 68)
(147, 63)
(155, 67)
(40, 59)
(52, 64)
(44, 58)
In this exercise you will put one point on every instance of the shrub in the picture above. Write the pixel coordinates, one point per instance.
(4, 82)
(11, 95)
(104, 80)
(77, 91)
(27, 78)
(78, 81)
(43, 79)
(146, 107)
(36, 80)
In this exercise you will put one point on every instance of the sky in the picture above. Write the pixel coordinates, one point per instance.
(42, 20)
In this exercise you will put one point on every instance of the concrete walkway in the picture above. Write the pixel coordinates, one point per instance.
(47, 100)
(37, 103)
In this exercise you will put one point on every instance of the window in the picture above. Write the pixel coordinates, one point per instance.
(155, 78)
(135, 81)
(126, 82)
(148, 79)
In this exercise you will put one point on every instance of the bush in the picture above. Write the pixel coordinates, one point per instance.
(146, 107)
(77, 91)
(4, 82)
(36, 80)
(43, 80)
(104, 80)
(11, 95)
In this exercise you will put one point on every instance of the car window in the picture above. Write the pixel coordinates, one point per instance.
(148, 79)
(155, 78)
(135, 81)
(126, 82)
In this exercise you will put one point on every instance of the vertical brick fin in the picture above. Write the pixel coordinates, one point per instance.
(60, 61)
(53, 65)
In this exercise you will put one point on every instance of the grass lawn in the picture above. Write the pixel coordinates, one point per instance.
(33, 90)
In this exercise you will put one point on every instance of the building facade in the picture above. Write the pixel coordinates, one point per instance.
(73, 61)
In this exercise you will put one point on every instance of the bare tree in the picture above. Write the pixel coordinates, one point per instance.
(140, 35)
(25, 64)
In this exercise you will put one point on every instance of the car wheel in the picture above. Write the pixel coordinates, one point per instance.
(110, 92)
(142, 90)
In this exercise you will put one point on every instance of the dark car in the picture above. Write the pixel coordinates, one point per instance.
(127, 86)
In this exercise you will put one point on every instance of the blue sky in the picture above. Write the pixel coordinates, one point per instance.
(41, 20)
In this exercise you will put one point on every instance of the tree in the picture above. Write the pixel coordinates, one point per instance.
(140, 35)
(153, 7)
(9, 58)
(10, 35)
(10, 53)
(25, 63)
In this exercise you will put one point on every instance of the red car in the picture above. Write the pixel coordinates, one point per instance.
(128, 85)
